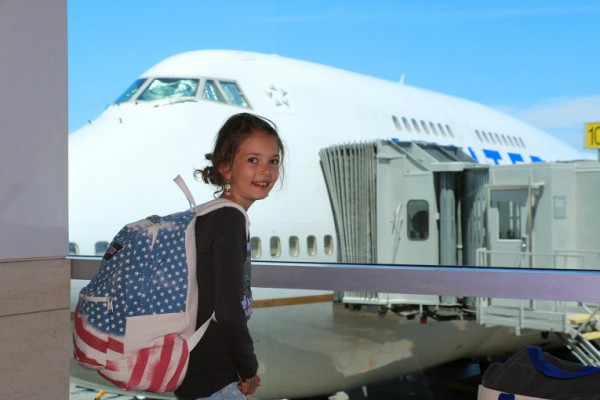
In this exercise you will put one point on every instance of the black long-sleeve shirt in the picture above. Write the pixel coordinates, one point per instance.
(226, 351)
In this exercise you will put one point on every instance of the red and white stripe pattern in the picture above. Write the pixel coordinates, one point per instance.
(157, 368)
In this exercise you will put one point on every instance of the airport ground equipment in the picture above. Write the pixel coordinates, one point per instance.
(419, 203)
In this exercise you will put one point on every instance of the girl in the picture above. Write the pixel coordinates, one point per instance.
(245, 166)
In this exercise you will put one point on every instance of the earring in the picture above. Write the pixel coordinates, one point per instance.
(227, 189)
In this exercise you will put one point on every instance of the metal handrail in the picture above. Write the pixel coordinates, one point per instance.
(510, 283)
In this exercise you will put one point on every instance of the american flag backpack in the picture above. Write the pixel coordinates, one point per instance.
(135, 322)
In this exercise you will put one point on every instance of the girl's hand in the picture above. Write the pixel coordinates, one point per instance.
(249, 386)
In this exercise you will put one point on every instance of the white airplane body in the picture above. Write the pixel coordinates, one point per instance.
(122, 165)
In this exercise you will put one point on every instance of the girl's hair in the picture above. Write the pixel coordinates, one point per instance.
(235, 130)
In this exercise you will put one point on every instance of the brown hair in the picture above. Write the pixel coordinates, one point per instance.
(235, 130)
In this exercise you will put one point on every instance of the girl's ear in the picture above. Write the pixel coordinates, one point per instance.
(225, 171)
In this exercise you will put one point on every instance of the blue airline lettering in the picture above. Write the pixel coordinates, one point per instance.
(535, 159)
(492, 155)
(473, 155)
(515, 158)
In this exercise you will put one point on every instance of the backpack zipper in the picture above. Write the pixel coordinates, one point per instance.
(95, 299)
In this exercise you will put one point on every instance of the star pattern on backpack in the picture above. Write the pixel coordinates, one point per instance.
(148, 275)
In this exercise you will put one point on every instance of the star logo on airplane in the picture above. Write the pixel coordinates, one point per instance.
(278, 95)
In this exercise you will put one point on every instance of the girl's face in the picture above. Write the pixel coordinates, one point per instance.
(254, 170)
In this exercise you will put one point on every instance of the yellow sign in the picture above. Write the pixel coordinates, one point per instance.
(592, 135)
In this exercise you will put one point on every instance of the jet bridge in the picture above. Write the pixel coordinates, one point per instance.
(424, 204)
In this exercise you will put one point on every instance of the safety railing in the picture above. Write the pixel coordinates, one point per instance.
(508, 283)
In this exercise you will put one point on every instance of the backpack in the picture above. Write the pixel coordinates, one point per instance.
(135, 322)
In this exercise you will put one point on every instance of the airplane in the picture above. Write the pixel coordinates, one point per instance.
(121, 166)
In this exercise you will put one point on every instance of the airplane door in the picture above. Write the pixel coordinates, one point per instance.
(509, 233)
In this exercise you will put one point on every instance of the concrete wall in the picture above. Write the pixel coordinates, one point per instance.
(34, 275)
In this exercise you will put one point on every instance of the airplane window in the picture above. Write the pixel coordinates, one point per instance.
(450, 130)
(212, 92)
(275, 245)
(510, 140)
(485, 136)
(294, 246)
(424, 126)
(328, 244)
(415, 125)
(101, 247)
(406, 124)
(497, 137)
(441, 128)
(492, 138)
(164, 88)
(255, 247)
(131, 90)
(432, 126)
(396, 122)
(504, 139)
(73, 249)
(234, 94)
(478, 135)
(418, 219)
(516, 141)
(522, 143)
(311, 245)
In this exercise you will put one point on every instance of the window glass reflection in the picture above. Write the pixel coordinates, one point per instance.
(418, 219)
(164, 88)
(234, 94)
(131, 91)
(212, 92)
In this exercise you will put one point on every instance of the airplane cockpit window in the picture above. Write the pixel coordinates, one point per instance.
(164, 88)
(212, 92)
(131, 90)
(418, 219)
(234, 94)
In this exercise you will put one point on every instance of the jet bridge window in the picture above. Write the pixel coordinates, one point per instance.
(165, 88)
(418, 219)
(234, 94)
(509, 204)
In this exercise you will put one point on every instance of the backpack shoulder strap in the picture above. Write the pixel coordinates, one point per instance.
(184, 188)
(220, 202)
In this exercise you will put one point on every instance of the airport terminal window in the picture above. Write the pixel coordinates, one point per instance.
(164, 88)
(234, 94)
(255, 247)
(131, 90)
(212, 92)
(294, 244)
(311, 245)
(418, 219)
(275, 245)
